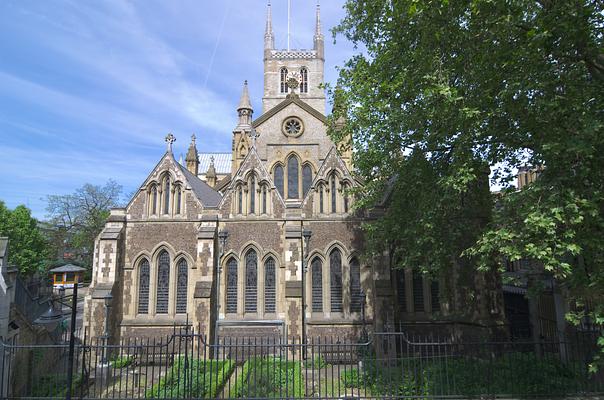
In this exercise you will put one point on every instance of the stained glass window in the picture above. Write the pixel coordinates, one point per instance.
(279, 179)
(356, 299)
(251, 281)
(167, 196)
(303, 80)
(435, 296)
(143, 287)
(335, 269)
(264, 200)
(163, 283)
(292, 177)
(270, 285)
(418, 291)
(231, 286)
(316, 270)
(306, 179)
(181, 287)
(283, 80)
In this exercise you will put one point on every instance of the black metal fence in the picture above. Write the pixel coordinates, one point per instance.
(184, 365)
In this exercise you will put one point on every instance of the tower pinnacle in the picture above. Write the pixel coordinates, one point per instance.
(269, 37)
(192, 159)
(245, 110)
(319, 39)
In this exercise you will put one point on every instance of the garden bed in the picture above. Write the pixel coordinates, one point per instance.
(269, 377)
(198, 378)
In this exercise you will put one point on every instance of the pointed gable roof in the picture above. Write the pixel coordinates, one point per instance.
(291, 98)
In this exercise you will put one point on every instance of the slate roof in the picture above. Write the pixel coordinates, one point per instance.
(204, 192)
(68, 268)
(222, 162)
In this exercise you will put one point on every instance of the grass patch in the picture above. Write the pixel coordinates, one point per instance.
(269, 378)
(122, 362)
(199, 378)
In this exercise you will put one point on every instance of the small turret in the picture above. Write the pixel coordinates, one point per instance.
(244, 110)
(192, 159)
(211, 173)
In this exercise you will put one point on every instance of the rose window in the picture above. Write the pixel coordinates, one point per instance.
(292, 127)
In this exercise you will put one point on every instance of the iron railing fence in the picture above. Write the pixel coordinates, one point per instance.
(390, 365)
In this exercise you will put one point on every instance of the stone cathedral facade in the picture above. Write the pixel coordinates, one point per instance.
(217, 241)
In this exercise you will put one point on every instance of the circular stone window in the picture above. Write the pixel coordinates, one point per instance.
(292, 126)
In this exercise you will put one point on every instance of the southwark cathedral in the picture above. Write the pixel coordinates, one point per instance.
(263, 239)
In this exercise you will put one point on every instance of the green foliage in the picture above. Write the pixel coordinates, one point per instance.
(445, 88)
(54, 385)
(28, 250)
(122, 362)
(268, 378)
(317, 362)
(76, 219)
(199, 378)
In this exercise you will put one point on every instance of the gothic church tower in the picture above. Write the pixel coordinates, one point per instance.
(306, 65)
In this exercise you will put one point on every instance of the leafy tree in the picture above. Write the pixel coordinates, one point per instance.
(28, 248)
(442, 88)
(79, 217)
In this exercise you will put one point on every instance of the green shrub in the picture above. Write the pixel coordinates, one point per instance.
(203, 379)
(55, 385)
(269, 377)
(122, 362)
(317, 362)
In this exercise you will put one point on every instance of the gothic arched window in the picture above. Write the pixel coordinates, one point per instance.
(251, 281)
(418, 291)
(306, 179)
(144, 275)
(303, 80)
(163, 283)
(316, 270)
(292, 177)
(252, 195)
(279, 179)
(321, 209)
(181, 287)
(154, 199)
(333, 194)
(231, 286)
(270, 293)
(178, 200)
(167, 196)
(240, 200)
(335, 281)
(356, 300)
(401, 296)
(435, 296)
(283, 80)
(263, 199)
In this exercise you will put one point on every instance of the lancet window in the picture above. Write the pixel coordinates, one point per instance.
(418, 291)
(279, 180)
(251, 281)
(231, 286)
(270, 286)
(292, 177)
(163, 283)
(356, 299)
(181, 287)
(335, 273)
(303, 80)
(435, 295)
(306, 179)
(401, 296)
(316, 267)
(167, 195)
(144, 275)
(283, 80)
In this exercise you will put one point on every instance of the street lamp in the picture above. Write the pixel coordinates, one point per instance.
(306, 234)
(222, 238)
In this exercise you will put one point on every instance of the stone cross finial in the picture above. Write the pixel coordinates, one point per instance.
(170, 139)
(253, 136)
(212, 160)
(193, 138)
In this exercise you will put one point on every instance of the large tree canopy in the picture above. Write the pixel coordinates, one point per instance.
(443, 88)
(79, 217)
(28, 249)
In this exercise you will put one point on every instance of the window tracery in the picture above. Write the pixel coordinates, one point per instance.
(356, 300)
(251, 281)
(279, 180)
(163, 283)
(181, 287)
(270, 286)
(303, 80)
(335, 271)
(167, 196)
(144, 276)
(316, 267)
(292, 177)
(283, 80)
(231, 286)
(306, 179)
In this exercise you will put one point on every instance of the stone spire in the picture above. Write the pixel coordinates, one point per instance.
(269, 37)
(319, 39)
(192, 159)
(245, 110)
(211, 173)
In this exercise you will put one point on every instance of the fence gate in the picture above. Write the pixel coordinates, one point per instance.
(184, 365)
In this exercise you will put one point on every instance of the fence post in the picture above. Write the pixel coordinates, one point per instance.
(74, 306)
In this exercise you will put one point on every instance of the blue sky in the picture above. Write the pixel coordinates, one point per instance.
(89, 89)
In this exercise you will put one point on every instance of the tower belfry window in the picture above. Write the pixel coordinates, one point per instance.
(283, 80)
(303, 80)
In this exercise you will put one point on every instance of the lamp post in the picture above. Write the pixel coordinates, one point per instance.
(107, 299)
(306, 234)
(222, 237)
